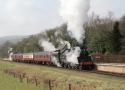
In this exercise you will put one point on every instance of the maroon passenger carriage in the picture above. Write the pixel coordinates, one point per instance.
(38, 57)
(17, 57)
(28, 57)
(43, 57)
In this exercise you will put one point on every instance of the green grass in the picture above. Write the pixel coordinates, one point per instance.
(9, 83)
(90, 81)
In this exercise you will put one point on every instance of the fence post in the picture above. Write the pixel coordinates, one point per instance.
(27, 79)
(24, 74)
(21, 79)
(70, 86)
(36, 81)
(50, 85)
(14, 75)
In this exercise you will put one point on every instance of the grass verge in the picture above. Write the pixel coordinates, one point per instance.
(89, 81)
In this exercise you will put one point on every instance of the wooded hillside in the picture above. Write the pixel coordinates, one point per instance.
(103, 35)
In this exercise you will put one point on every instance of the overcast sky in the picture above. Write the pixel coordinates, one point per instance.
(25, 17)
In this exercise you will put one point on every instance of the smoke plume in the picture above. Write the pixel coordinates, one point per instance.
(75, 14)
(73, 55)
(47, 46)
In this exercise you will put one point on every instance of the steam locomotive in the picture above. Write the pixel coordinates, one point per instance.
(57, 58)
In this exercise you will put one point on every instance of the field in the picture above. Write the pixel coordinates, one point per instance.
(60, 79)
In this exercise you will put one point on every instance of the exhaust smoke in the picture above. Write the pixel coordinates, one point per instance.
(48, 46)
(75, 14)
(73, 55)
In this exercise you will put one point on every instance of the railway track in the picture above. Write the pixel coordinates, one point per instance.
(98, 72)
(93, 71)
(109, 73)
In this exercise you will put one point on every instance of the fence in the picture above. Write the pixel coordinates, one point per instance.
(111, 59)
(46, 83)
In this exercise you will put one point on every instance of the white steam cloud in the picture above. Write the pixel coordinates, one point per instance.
(48, 46)
(75, 13)
(73, 55)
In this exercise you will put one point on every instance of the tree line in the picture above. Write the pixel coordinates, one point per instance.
(103, 35)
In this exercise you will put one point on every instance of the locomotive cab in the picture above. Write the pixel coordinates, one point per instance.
(85, 61)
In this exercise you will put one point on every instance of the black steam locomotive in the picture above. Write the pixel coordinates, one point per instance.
(85, 62)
